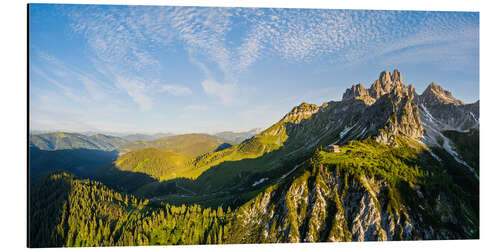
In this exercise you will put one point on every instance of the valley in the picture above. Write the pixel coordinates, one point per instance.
(408, 169)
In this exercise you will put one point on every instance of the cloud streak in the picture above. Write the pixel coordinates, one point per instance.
(125, 36)
(176, 90)
(224, 91)
(139, 57)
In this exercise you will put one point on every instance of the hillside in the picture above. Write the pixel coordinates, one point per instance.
(66, 211)
(190, 145)
(145, 137)
(408, 169)
(154, 162)
(368, 192)
(384, 111)
(62, 140)
(238, 137)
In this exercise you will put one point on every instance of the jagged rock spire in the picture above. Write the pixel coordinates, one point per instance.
(383, 85)
(355, 91)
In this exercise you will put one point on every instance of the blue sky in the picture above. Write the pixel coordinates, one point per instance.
(185, 69)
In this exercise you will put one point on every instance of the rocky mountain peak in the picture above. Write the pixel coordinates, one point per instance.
(396, 77)
(383, 85)
(355, 91)
(435, 94)
(303, 111)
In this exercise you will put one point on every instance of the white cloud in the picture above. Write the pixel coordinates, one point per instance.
(175, 89)
(93, 88)
(71, 93)
(224, 91)
(125, 35)
(128, 37)
(137, 90)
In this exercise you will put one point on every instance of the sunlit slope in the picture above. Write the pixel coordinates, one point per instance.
(159, 164)
(366, 192)
(190, 145)
(266, 156)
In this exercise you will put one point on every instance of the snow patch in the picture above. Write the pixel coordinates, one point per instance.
(362, 133)
(296, 166)
(473, 116)
(447, 146)
(435, 156)
(346, 130)
(259, 181)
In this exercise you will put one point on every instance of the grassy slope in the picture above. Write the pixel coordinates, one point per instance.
(159, 164)
(277, 212)
(216, 176)
(315, 202)
(190, 145)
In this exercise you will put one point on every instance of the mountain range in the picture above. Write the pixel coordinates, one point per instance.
(238, 137)
(62, 140)
(408, 169)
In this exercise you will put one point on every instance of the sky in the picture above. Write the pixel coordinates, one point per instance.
(149, 69)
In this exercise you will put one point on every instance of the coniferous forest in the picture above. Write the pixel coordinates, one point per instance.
(178, 125)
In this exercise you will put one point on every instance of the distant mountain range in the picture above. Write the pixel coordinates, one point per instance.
(238, 136)
(228, 135)
(408, 169)
(145, 137)
(62, 140)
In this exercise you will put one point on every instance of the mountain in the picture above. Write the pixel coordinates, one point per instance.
(190, 145)
(166, 158)
(154, 162)
(62, 140)
(365, 193)
(387, 110)
(408, 169)
(145, 137)
(238, 137)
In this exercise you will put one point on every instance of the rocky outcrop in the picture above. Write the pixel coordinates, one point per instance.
(319, 205)
(440, 111)
(386, 83)
(355, 91)
(394, 108)
(391, 107)
(435, 94)
(301, 112)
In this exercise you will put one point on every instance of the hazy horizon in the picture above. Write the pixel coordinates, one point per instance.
(151, 69)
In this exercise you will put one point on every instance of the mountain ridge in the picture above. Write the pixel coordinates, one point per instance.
(65, 140)
(401, 173)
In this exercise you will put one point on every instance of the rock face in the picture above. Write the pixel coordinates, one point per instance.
(397, 109)
(386, 83)
(391, 107)
(303, 111)
(435, 94)
(355, 91)
(323, 205)
(440, 111)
